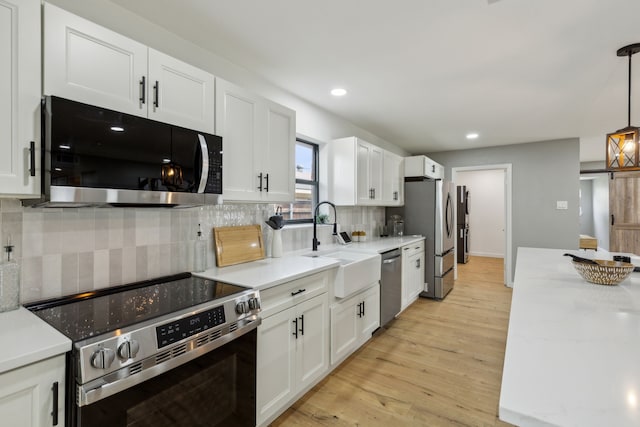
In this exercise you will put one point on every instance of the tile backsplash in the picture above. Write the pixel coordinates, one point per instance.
(68, 250)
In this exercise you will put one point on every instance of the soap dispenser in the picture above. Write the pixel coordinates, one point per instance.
(9, 281)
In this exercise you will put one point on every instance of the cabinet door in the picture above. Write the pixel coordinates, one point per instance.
(180, 94)
(370, 318)
(237, 123)
(419, 271)
(312, 346)
(344, 329)
(408, 278)
(279, 153)
(19, 96)
(89, 63)
(364, 192)
(375, 174)
(275, 371)
(392, 183)
(27, 395)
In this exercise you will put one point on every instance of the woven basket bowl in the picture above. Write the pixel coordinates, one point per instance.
(605, 272)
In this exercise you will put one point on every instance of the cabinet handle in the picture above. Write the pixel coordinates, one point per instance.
(363, 309)
(395, 195)
(143, 90)
(418, 263)
(54, 412)
(260, 178)
(32, 159)
(301, 325)
(433, 168)
(613, 220)
(266, 185)
(359, 309)
(295, 328)
(156, 97)
(299, 291)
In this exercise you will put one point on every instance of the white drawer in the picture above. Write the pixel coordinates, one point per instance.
(413, 248)
(288, 294)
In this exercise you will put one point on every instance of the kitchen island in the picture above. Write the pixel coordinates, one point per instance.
(573, 348)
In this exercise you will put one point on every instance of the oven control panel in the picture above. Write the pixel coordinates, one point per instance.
(127, 347)
(183, 328)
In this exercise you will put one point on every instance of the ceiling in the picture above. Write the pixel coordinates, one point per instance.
(421, 74)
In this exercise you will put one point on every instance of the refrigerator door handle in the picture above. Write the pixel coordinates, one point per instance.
(449, 216)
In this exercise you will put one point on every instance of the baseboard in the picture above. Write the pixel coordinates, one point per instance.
(486, 254)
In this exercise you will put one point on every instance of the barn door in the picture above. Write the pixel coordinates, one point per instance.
(624, 208)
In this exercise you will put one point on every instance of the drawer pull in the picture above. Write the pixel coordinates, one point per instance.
(299, 291)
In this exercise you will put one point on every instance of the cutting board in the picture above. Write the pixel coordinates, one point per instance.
(235, 245)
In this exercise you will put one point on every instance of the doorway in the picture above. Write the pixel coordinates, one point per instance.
(492, 218)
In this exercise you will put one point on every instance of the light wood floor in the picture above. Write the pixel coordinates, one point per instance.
(437, 364)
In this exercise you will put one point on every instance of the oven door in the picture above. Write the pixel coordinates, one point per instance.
(215, 389)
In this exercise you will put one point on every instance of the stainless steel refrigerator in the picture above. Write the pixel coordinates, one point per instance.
(428, 210)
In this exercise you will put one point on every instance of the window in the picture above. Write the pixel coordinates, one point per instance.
(306, 198)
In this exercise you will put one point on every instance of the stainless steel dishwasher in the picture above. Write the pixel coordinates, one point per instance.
(390, 285)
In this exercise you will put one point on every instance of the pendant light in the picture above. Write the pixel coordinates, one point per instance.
(622, 145)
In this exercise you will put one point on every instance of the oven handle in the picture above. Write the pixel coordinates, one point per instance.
(114, 382)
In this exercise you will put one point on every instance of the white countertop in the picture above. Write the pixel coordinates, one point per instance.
(268, 272)
(27, 339)
(573, 348)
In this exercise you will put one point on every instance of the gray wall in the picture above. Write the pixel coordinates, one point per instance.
(542, 172)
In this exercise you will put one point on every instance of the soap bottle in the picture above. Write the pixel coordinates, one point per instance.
(200, 253)
(9, 281)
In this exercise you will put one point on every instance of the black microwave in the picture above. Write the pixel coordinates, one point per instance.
(95, 156)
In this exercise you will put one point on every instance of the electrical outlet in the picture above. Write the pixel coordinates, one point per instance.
(562, 204)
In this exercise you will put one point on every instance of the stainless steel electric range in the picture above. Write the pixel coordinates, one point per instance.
(174, 351)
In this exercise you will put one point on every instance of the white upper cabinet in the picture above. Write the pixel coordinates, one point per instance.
(92, 64)
(258, 138)
(20, 92)
(423, 166)
(180, 93)
(359, 175)
(393, 185)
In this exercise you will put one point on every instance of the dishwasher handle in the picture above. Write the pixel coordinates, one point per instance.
(390, 260)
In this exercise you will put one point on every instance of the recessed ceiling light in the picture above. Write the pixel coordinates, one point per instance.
(338, 91)
(472, 135)
(117, 128)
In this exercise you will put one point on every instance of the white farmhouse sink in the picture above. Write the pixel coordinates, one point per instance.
(357, 270)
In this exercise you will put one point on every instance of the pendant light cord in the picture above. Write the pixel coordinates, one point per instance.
(629, 103)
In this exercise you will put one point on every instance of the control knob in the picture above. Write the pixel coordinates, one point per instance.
(103, 358)
(242, 307)
(254, 303)
(128, 349)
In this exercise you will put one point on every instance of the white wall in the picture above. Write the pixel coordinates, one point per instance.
(601, 210)
(486, 211)
(586, 207)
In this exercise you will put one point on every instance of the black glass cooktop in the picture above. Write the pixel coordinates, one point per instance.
(89, 314)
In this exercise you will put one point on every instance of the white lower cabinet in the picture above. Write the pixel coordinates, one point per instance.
(353, 321)
(293, 344)
(412, 272)
(27, 394)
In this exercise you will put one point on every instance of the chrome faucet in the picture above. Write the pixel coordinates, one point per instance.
(315, 215)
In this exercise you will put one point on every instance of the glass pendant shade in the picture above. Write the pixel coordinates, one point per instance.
(622, 149)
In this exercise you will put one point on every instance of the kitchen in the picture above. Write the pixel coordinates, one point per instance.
(66, 250)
